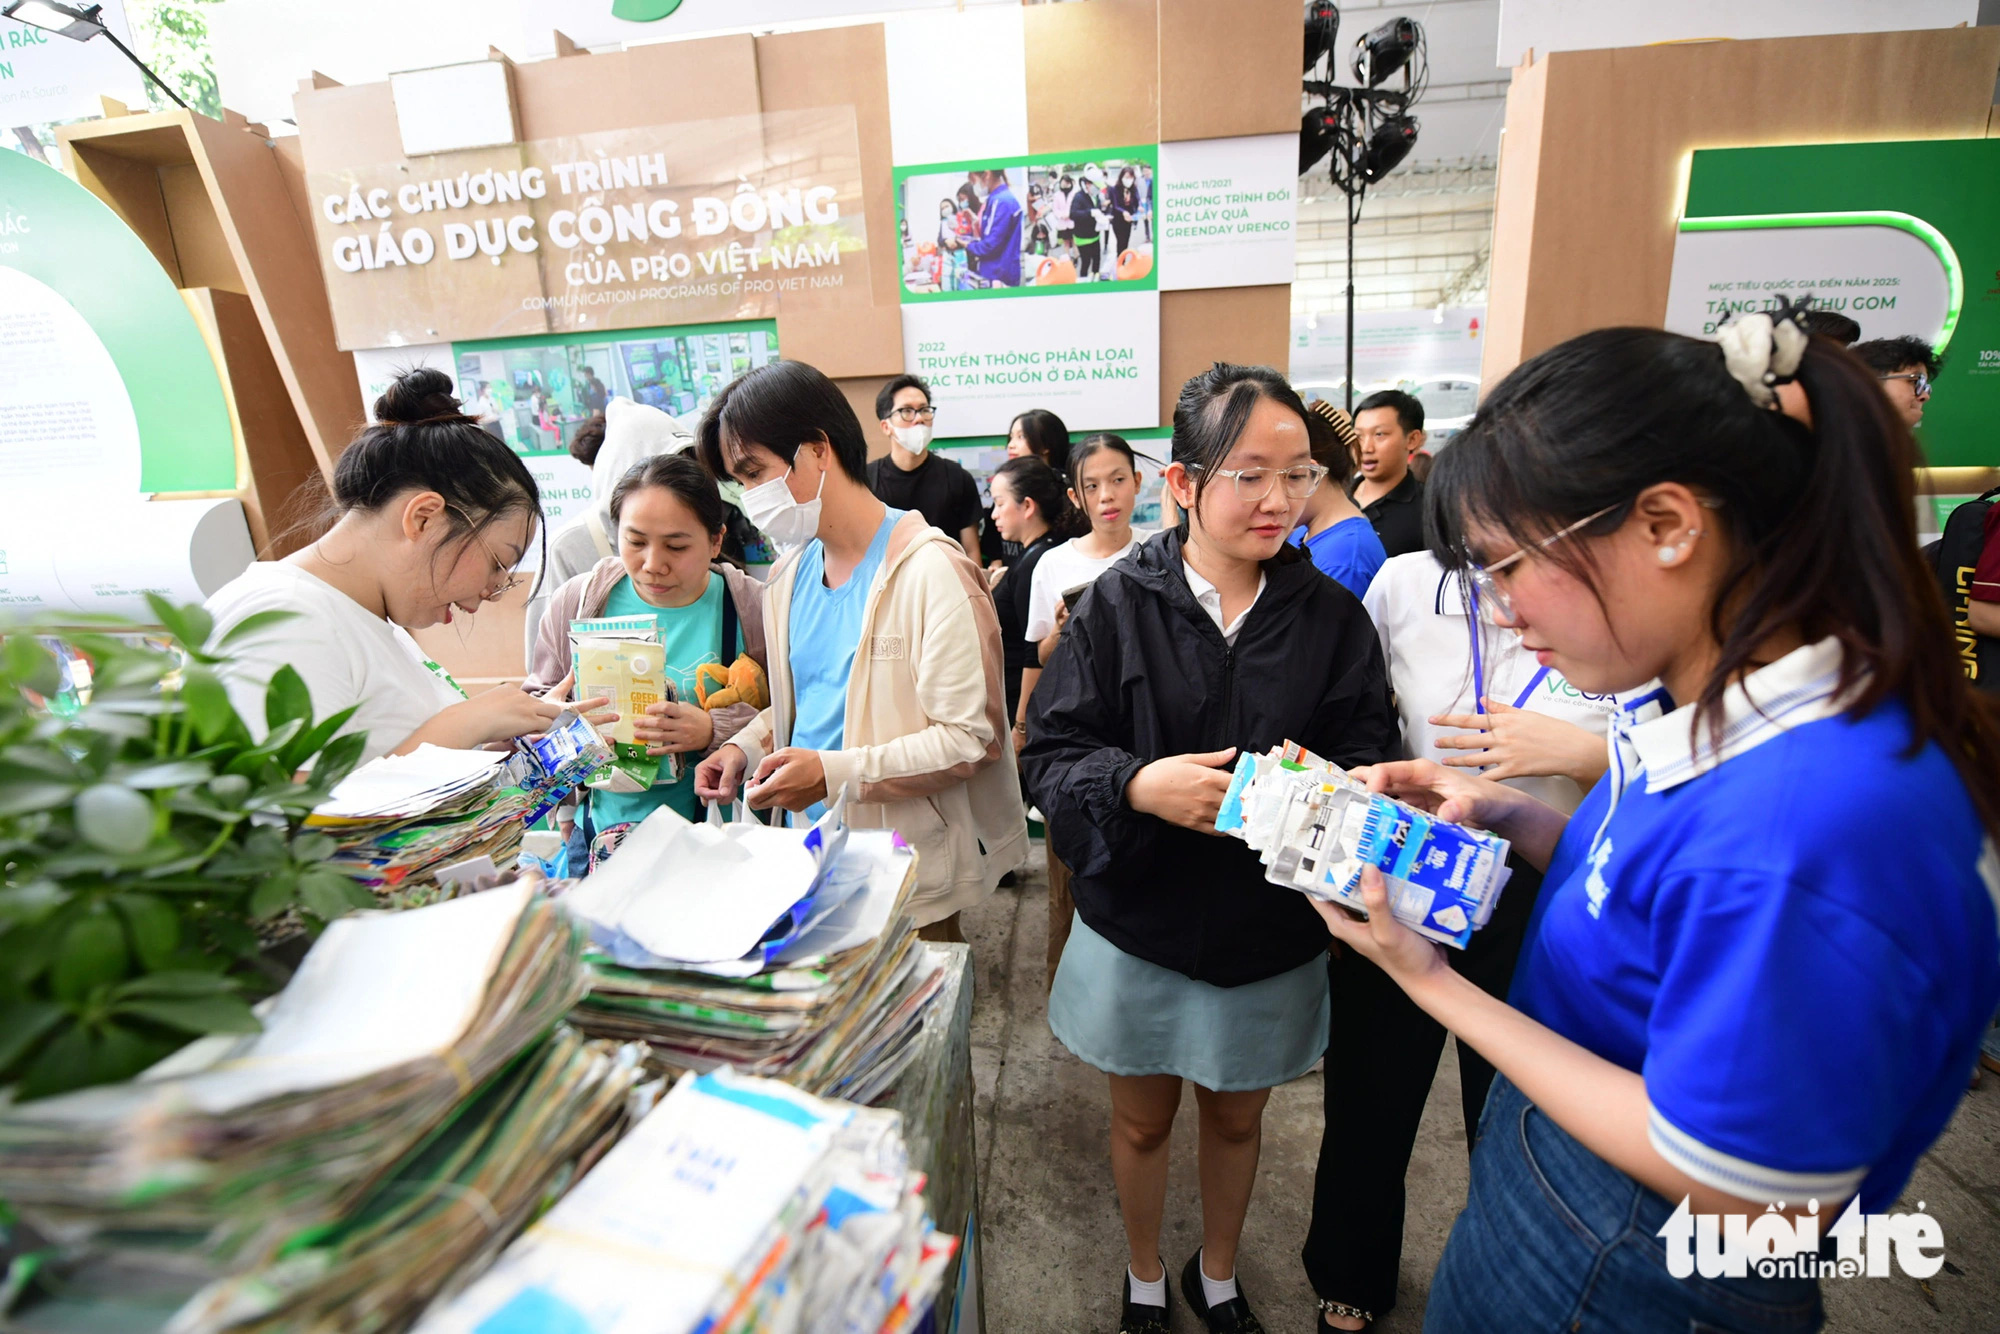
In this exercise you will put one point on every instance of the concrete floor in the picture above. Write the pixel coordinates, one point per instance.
(1054, 1249)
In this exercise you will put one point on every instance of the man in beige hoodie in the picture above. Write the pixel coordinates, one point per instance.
(882, 645)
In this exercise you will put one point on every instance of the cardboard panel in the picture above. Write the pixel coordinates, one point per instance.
(279, 460)
(843, 67)
(861, 397)
(850, 341)
(291, 155)
(657, 84)
(360, 122)
(1094, 74)
(1247, 325)
(274, 254)
(1615, 128)
(1514, 194)
(1224, 69)
(198, 240)
(485, 650)
(132, 188)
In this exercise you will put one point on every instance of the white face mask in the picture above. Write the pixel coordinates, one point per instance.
(785, 520)
(916, 439)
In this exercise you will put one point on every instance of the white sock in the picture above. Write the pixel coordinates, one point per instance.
(1148, 1294)
(1216, 1291)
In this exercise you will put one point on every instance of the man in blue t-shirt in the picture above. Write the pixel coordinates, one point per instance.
(996, 251)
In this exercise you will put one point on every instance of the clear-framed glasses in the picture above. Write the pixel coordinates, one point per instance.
(1920, 383)
(1499, 608)
(911, 416)
(1253, 484)
(509, 580)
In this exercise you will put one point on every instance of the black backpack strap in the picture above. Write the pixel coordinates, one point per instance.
(726, 653)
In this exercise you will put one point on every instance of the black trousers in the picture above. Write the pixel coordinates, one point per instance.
(1380, 1061)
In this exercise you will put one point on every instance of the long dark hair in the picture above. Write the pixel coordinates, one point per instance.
(1031, 479)
(1095, 444)
(1046, 435)
(1215, 406)
(1823, 518)
(421, 441)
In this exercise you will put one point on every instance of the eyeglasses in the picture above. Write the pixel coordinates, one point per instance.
(911, 416)
(1253, 484)
(509, 581)
(1920, 384)
(1499, 607)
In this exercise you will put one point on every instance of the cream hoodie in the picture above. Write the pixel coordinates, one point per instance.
(928, 752)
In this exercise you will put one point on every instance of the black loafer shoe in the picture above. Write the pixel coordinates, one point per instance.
(1231, 1317)
(1137, 1319)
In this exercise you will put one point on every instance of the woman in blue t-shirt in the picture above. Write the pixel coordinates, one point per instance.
(1766, 946)
(669, 519)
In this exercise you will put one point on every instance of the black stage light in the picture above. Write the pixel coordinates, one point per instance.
(1388, 145)
(1322, 24)
(1385, 50)
(1318, 128)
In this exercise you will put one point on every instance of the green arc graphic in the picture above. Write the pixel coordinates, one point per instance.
(643, 11)
(1904, 222)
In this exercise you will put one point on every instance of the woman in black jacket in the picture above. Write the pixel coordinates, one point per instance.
(1184, 962)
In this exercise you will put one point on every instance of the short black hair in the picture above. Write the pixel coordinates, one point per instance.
(1886, 356)
(589, 438)
(1832, 324)
(1409, 408)
(686, 479)
(885, 401)
(781, 406)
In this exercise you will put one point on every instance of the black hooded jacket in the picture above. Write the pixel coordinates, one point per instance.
(1141, 672)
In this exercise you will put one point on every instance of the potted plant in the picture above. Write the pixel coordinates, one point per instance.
(149, 841)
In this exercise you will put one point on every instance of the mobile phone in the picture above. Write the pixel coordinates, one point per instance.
(1071, 595)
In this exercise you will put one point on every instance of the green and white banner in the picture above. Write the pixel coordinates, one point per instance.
(1903, 238)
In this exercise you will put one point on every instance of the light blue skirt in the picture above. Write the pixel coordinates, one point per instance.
(1126, 1016)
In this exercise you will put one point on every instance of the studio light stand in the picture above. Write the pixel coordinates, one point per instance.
(1362, 130)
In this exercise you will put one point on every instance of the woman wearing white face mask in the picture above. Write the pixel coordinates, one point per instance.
(910, 477)
(882, 645)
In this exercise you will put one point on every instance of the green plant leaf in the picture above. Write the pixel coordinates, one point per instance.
(154, 927)
(253, 624)
(31, 902)
(31, 666)
(310, 847)
(287, 698)
(92, 955)
(309, 742)
(174, 773)
(118, 1053)
(175, 984)
(191, 625)
(329, 894)
(24, 1024)
(21, 795)
(208, 708)
(204, 1014)
(115, 818)
(61, 1065)
(340, 758)
(274, 894)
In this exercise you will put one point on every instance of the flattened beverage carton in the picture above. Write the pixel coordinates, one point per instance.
(620, 658)
(1316, 829)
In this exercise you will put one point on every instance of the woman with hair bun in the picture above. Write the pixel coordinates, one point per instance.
(1183, 962)
(430, 516)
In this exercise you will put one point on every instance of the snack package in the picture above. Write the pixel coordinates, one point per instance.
(1316, 829)
(619, 658)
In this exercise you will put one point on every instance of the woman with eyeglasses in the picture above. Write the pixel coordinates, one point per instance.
(1765, 949)
(429, 517)
(1184, 964)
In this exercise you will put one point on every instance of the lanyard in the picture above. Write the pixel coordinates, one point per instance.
(1479, 664)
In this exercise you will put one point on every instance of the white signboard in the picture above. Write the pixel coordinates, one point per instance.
(1885, 278)
(64, 411)
(1226, 211)
(183, 550)
(45, 76)
(1391, 347)
(1093, 360)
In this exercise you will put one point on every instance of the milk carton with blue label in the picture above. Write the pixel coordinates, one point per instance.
(1316, 829)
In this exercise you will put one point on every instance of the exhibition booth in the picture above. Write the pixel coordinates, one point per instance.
(201, 313)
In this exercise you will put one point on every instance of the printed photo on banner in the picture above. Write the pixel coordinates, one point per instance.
(1018, 226)
(982, 456)
(535, 392)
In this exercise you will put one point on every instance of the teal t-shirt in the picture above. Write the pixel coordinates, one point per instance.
(689, 637)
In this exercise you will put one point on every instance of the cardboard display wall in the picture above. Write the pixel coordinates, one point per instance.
(1593, 160)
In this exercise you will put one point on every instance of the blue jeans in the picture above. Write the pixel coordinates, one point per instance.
(1553, 1238)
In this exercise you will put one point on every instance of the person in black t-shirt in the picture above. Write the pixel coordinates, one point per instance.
(1391, 427)
(910, 477)
(1030, 508)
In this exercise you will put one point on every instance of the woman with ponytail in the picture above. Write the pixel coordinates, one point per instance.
(1032, 511)
(1765, 948)
(429, 517)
